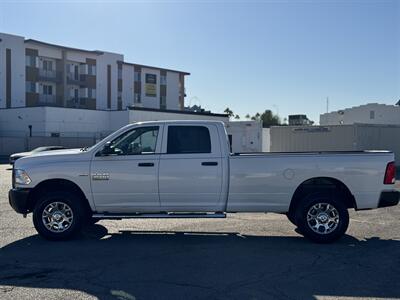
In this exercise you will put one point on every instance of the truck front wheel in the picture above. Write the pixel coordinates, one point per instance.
(58, 215)
(322, 218)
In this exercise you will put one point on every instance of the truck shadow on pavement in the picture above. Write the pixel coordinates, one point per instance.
(188, 265)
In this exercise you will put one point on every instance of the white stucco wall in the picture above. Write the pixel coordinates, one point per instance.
(66, 121)
(382, 113)
(77, 56)
(45, 51)
(266, 140)
(127, 85)
(118, 119)
(76, 122)
(17, 47)
(101, 79)
(173, 91)
(15, 121)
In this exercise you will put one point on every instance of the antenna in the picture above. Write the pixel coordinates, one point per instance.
(327, 104)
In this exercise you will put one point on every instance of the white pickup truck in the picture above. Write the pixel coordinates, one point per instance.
(184, 169)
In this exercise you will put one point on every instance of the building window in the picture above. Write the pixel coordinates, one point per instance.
(92, 69)
(119, 73)
(163, 79)
(91, 93)
(137, 98)
(163, 102)
(372, 114)
(47, 65)
(30, 87)
(30, 61)
(73, 71)
(137, 76)
(47, 89)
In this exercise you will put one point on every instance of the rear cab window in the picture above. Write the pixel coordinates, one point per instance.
(191, 140)
(188, 140)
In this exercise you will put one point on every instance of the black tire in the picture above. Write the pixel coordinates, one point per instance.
(317, 204)
(71, 201)
(291, 218)
(91, 221)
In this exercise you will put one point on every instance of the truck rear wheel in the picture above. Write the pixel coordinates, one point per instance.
(322, 218)
(58, 215)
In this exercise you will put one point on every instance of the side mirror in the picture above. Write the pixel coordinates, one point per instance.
(107, 150)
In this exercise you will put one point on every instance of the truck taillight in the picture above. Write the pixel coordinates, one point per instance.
(390, 174)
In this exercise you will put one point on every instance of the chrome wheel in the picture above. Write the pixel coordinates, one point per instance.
(57, 217)
(323, 218)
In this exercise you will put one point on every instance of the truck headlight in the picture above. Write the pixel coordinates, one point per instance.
(21, 177)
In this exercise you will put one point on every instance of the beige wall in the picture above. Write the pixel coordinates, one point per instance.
(336, 138)
(312, 138)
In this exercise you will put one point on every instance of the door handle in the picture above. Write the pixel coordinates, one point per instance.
(209, 163)
(146, 164)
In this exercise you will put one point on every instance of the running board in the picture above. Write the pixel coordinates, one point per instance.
(109, 216)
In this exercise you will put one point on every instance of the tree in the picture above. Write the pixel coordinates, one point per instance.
(268, 118)
(256, 117)
(247, 116)
(237, 117)
(229, 112)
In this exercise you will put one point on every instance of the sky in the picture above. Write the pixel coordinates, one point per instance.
(287, 56)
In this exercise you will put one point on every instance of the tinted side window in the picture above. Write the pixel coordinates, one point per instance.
(142, 140)
(188, 139)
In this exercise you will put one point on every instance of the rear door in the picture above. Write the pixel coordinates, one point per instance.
(190, 170)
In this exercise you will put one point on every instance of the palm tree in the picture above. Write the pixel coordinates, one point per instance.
(229, 112)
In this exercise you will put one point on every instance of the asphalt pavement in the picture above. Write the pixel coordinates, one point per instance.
(246, 256)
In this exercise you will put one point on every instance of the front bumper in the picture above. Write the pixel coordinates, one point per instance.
(19, 200)
(389, 198)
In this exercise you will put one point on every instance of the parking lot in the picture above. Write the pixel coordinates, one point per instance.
(246, 256)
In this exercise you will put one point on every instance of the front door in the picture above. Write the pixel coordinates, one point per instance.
(124, 174)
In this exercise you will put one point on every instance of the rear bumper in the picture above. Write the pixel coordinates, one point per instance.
(389, 198)
(19, 200)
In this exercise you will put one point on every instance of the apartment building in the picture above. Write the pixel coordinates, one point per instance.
(35, 73)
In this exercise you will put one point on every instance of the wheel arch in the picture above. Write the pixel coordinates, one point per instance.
(57, 184)
(322, 184)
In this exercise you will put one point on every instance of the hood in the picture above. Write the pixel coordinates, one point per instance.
(57, 152)
(52, 157)
(21, 154)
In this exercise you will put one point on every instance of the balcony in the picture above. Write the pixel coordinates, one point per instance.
(49, 75)
(88, 80)
(81, 102)
(48, 100)
(73, 102)
(74, 78)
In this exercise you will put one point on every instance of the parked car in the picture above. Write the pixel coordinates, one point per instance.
(183, 169)
(15, 156)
